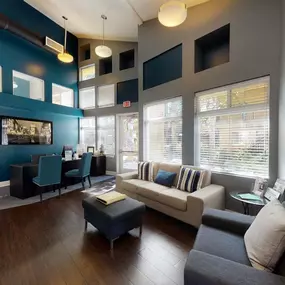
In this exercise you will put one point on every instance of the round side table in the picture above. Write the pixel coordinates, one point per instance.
(246, 203)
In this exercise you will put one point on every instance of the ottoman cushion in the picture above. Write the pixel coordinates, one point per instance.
(115, 219)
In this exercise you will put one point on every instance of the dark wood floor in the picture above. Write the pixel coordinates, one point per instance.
(46, 244)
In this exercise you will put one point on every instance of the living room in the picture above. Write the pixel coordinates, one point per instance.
(176, 107)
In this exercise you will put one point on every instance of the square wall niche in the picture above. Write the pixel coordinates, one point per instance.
(212, 49)
(85, 52)
(105, 66)
(127, 59)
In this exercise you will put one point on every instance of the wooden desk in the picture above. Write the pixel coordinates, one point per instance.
(21, 178)
(21, 175)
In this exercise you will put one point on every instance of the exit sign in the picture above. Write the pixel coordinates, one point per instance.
(127, 104)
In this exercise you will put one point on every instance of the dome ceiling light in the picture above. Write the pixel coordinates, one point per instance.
(65, 56)
(172, 13)
(102, 50)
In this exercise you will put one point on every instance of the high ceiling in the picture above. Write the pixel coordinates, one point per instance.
(84, 16)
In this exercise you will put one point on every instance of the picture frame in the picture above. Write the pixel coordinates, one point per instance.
(91, 149)
(271, 194)
(260, 186)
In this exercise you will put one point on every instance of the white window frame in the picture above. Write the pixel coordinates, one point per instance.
(114, 96)
(229, 110)
(86, 66)
(30, 77)
(95, 101)
(69, 89)
(112, 155)
(95, 132)
(146, 122)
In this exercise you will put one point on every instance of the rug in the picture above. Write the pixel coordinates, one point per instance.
(100, 185)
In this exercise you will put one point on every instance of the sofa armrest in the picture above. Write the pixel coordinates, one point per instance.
(125, 176)
(212, 196)
(205, 269)
(227, 221)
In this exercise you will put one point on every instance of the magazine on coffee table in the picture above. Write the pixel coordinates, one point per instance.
(111, 197)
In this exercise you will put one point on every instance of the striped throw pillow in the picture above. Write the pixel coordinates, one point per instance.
(190, 180)
(146, 171)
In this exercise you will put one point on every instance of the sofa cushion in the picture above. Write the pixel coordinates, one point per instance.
(174, 198)
(145, 170)
(207, 175)
(132, 185)
(265, 238)
(151, 190)
(165, 178)
(190, 180)
(170, 167)
(221, 243)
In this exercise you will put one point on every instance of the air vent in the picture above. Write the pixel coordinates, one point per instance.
(53, 45)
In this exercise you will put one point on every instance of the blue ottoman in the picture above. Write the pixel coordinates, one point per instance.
(113, 220)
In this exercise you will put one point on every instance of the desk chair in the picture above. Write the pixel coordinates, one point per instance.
(49, 172)
(83, 171)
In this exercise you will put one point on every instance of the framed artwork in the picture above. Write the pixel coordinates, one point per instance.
(91, 149)
(271, 194)
(260, 186)
(18, 131)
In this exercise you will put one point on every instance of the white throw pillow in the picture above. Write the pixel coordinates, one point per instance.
(265, 238)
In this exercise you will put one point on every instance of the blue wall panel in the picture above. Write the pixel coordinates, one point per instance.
(128, 91)
(20, 55)
(163, 68)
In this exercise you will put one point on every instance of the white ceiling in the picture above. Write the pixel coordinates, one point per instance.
(84, 16)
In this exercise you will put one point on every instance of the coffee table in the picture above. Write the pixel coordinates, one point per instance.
(113, 220)
(246, 203)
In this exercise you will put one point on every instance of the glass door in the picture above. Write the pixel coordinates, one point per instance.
(128, 139)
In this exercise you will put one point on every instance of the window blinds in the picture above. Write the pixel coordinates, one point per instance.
(163, 131)
(106, 96)
(233, 128)
(106, 134)
(87, 131)
(87, 98)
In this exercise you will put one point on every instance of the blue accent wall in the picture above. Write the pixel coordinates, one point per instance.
(20, 55)
(128, 91)
(163, 68)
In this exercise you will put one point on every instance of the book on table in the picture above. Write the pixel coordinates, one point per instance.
(250, 196)
(111, 197)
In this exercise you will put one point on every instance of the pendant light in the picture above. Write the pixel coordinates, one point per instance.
(102, 50)
(65, 56)
(172, 13)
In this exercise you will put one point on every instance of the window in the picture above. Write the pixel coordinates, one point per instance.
(87, 72)
(106, 134)
(87, 131)
(62, 96)
(163, 131)
(87, 98)
(28, 86)
(106, 96)
(233, 128)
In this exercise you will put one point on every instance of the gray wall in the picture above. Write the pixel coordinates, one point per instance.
(112, 78)
(255, 50)
(281, 149)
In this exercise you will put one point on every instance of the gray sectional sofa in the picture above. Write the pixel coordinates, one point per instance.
(184, 206)
(219, 256)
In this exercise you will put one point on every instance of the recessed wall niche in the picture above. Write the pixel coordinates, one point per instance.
(105, 66)
(212, 49)
(85, 52)
(127, 59)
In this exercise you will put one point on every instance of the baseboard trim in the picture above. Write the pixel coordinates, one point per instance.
(111, 173)
(5, 188)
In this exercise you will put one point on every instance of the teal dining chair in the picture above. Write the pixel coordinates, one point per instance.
(49, 173)
(84, 170)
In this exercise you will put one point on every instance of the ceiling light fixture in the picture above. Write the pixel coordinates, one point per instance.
(102, 50)
(172, 13)
(65, 56)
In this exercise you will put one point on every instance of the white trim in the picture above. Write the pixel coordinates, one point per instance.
(5, 183)
(111, 173)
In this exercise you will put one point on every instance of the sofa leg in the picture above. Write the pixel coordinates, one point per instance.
(140, 230)
(82, 182)
(86, 225)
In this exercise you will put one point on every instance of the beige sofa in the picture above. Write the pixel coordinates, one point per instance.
(184, 206)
